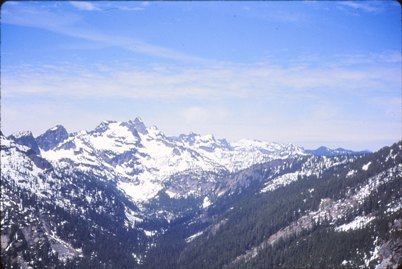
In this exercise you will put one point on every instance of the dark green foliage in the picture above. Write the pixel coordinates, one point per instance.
(248, 218)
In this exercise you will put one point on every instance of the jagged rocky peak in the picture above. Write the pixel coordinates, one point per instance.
(136, 125)
(154, 133)
(189, 138)
(26, 138)
(296, 149)
(224, 143)
(52, 137)
(207, 138)
(20, 134)
(192, 139)
(103, 126)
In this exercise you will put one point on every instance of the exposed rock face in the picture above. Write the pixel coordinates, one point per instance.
(26, 139)
(52, 138)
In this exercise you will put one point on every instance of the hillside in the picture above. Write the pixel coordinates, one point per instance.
(127, 196)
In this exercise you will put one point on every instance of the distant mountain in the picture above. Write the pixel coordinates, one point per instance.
(26, 139)
(141, 159)
(52, 138)
(325, 151)
(125, 195)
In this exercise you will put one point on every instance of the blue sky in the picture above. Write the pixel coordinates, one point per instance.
(310, 73)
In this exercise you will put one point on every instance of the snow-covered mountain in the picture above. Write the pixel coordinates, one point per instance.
(51, 216)
(140, 159)
(26, 139)
(52, 138)
(125, 195)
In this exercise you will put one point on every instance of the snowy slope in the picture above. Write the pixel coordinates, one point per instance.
(140, 159)
(126, 185)
(42, 205)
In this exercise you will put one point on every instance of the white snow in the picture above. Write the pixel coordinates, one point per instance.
(150, 233)
(22, 134)
(333, 210)
(149, 158)
(172, 194)
(131, 218)
(280, 181)
(18, 168)
(366, 166)
(140, 192)
(351, 173)
(392, 155)
(310, 167)
(358, 223)
(192, 237)
(137, 258)
(206, 203)
(54, 128)
(394, 207)
(374, 255)
(221, 193)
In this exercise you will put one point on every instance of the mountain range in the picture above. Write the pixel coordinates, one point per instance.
(325, 151)
(125, 195)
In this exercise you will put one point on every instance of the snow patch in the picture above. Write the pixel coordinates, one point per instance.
(137, 258)
(366, 166)
(139, 192)
(351, 173)
(206, 202)
(280, 182)
(172, 194)
(358, 223)
(394, 206)
(131, 218)
(194, 236)
(22, 134)
(150, 233)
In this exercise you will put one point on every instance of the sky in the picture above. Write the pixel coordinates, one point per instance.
(304, 72)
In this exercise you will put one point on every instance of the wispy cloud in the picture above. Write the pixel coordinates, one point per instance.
(365, 6)
(305, 97)
(299, 103)
(277, 16)
(106, 6)
(71, 24)
(127, 8)
(385, 57)
(204, 115)
(227, 80)
(87, 6)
